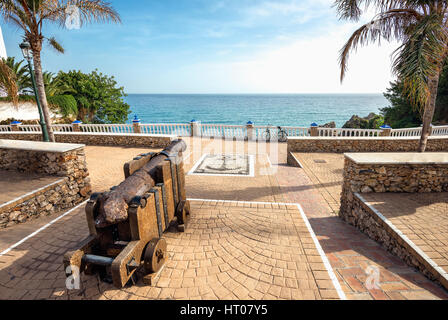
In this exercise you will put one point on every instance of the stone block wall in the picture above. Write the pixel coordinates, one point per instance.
(361, 178)
(371, 223)
(54, 198)
(352, 144)
(98, 139)
(409, 178)
(73, 187)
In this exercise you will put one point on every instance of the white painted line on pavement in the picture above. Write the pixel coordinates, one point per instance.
(41, 229)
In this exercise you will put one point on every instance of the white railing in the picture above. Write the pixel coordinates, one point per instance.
(261, 132)
(30, 128)
(228, 131)
(297, 131)
(62, 127)
(107, 128)
(407, 132)
(343, 132)
(5, 128)
(440, 131)
(183, 130)
(223, 131)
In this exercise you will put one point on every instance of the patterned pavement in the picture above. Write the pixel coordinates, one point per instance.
(353, 256)
(422, 218)
(231, 250)
(325, 171)
(15, 184)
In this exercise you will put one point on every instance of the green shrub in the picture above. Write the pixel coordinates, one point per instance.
(66, 105)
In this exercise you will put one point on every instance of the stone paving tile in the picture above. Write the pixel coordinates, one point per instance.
(325, 171)
(420, 217)
(15, 184)
(262, 187)
(352, 254)
(226, 253)
(105, 164)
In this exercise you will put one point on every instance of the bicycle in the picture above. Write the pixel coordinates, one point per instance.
(281, 134)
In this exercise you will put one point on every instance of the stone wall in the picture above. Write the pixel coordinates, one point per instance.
(390, 172)
(54, 198)
(369, 221)
(98, 139)
(399, 177)
(352, 144)
(73, 188)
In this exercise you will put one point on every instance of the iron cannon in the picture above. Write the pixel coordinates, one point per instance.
(127, 223)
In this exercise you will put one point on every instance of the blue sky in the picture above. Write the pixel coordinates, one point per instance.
(217, 46)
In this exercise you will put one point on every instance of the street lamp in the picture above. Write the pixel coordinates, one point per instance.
(28, 55)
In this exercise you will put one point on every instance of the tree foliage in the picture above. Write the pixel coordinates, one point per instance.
(22, 74)
(30, 16)
(65, 105)
(8, 82)
(98, 98)
(402, 113)
(421, 26)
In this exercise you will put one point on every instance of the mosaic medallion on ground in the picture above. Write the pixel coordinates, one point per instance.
(224, 165)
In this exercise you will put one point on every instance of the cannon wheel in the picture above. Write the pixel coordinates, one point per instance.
(155, 255)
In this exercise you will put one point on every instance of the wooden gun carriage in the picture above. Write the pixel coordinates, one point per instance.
(127, 223)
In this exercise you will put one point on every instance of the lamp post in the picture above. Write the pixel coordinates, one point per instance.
(27, 54)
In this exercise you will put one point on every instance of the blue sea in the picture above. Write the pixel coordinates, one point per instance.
(262, 109)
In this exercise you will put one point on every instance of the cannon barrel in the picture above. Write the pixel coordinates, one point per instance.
(113, 205)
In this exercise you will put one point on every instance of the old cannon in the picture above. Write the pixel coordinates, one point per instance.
(127, 223)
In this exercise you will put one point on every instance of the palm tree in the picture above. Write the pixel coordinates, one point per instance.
(21, 72)
(421, 26)
(8, 82)
(55, 86)
(31, 15)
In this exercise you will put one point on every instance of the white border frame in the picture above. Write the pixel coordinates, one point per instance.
(198, 163)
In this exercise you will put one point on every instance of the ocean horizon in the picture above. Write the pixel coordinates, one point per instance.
(262, 109)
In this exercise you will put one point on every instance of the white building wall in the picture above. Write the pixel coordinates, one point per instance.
(3, 53)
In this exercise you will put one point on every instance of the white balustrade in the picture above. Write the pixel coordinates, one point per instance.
(440, 131)
(5, 128)
(107, 128)
(62, 127)
(347, 132)
(223, 131)
(182, 130)
(407, 132)
(30, 128)
(228, 131)
(297, 131)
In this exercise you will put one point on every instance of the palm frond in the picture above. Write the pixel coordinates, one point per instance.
(353, 9)
(421, 58)
(56, 45)
(89, 11)
(389, 25)
(8, 82)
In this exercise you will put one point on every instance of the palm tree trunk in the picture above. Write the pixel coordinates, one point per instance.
(41, 93)
(428, 115)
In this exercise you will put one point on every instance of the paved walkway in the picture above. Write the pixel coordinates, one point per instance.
(422, 218)
(325, 171)
(231, 249)
(106, 164)
(352, 254)
(15, 184)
